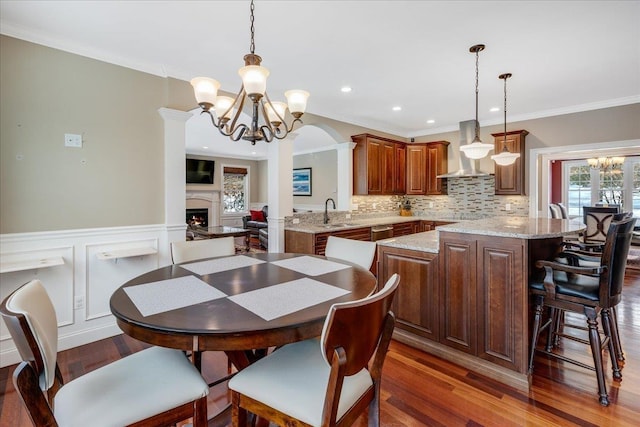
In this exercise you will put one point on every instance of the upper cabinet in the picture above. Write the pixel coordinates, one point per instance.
(379, 165)
(425, 161)
(510, 179)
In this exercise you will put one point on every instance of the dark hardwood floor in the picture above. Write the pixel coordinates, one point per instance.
(422, 390)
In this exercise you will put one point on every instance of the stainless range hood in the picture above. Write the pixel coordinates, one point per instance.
(467, 166)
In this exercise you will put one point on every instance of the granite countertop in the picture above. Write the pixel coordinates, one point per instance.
(365, 222)
(518, 227)
(425, 242)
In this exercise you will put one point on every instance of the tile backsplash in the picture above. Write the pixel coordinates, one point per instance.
(468, 198)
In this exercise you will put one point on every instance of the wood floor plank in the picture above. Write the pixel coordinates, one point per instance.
(422, 390)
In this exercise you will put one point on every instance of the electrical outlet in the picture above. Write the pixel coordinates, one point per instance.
(296, 220)
(348, 216)
(430, 204)
(507, 206)
(78, 302)
(375, 206)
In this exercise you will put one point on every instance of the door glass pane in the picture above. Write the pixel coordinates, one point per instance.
(579, 192)
(611, 185)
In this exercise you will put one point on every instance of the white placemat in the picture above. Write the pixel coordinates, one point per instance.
(157, 297)
(310, 266)
(279, 300)
(221, 264)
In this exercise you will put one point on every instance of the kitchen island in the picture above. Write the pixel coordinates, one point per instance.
(463, 292)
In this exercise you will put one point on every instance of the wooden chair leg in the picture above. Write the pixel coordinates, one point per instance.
(596, 350)
(535, 330)
(552, 339)
(238, 414)
(374, 408)
(615, 336)
(607, 325)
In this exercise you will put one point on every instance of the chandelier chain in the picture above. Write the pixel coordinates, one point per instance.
(252, 46)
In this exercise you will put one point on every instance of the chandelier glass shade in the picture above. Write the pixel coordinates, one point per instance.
(605, 163)
(477, 149)
(267, 117)
(505, 157)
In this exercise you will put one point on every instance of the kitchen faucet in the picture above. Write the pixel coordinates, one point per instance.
(326, 214)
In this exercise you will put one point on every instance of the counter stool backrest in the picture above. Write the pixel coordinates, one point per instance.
(597, 219)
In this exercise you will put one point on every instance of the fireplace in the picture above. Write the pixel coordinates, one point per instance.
(198, 217)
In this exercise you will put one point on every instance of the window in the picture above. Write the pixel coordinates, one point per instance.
(235, 185)
(615, 185)
(579, 191)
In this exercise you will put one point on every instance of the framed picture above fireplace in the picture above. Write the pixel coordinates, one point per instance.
(302, 182)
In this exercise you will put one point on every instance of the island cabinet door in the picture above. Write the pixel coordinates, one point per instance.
(416, 302)
(458, 292)
(502, 296)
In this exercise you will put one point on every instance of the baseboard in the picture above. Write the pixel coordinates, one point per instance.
(65, 342)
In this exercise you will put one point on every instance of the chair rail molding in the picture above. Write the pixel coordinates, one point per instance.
(81, 286)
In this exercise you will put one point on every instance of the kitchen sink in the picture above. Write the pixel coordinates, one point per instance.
(340, 225)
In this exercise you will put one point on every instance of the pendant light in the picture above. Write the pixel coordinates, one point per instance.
(477, 149)
(505, 158)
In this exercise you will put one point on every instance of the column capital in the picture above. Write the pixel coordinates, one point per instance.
(177, 115)
(347, 145)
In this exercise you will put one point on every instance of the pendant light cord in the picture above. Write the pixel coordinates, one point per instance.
(477, 124)
(504, 142)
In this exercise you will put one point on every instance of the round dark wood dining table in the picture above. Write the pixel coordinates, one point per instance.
(221, 324)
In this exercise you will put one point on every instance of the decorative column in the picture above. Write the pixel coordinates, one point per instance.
(174, 181)
(344, 152)
(280, 188)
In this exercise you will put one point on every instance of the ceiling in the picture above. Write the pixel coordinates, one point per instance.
(565, 56)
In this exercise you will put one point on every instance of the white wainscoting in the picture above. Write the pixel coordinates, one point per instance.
(96, 262)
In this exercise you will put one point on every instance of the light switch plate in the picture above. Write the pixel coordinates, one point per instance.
(72, 140)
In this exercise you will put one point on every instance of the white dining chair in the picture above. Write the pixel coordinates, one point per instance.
(155, 386)
(325, 382)
(192, 250)
(355, 251)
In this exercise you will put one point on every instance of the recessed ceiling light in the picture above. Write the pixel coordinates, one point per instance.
(397, 108)
(430, 121)
(494, 109)
(254, 153)
(206, 148)
(345, 89)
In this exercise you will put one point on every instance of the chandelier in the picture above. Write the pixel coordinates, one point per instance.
(505, 157)
(605, 163)
(477, 149)
(268, 118)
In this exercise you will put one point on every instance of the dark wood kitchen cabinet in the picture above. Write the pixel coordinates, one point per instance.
(316, 243)
(437, 164)
(416, 169)
(405, 228)
(379, 165)
(510, 179)
(483, 303)
(458, 316)
(416, 302)
(425, 161)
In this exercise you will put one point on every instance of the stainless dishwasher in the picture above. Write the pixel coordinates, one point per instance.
(383, 232)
